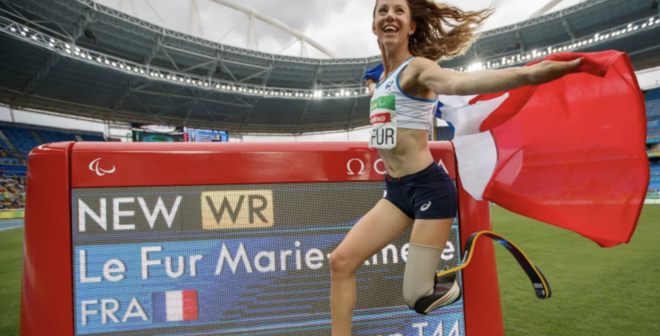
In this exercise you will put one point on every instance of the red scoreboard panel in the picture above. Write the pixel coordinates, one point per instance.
(225, 239)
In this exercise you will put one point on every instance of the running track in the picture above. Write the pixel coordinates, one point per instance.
(11, 224)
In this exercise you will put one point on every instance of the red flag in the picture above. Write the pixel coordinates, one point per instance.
(570, 153)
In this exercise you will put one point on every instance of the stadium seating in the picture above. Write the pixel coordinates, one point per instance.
(86, 137)
(9, 158)
(21, 138)
(653, 103)
(653, 113)
(24, 140)
(50, 136)
(6, 157)
(654, 131)
(19, 170)
(12, 189)
(654, 185)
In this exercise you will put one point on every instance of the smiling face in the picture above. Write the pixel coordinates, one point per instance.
(393, 23)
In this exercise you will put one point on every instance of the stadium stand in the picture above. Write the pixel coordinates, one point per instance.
(6, 157)
(16, 143)
(12, 192)
(50, 136)
(653, 113)
(20, 170)
(19, 140)
(654, 129)
(654, 185)
(5, 154)
(12, 187)
(653, 102)
(652, 99)
(87, 137)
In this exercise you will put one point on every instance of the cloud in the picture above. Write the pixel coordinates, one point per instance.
(348, 33)
(342, 26)
(298, 14)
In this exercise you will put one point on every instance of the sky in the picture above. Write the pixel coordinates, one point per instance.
(342, 26)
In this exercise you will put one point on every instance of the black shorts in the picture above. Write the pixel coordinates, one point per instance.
(428, 194)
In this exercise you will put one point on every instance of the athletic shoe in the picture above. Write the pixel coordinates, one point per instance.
(446, 292)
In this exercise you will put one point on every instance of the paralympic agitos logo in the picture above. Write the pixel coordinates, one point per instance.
(94, 166)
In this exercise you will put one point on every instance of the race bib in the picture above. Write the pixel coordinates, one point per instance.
(383, 123)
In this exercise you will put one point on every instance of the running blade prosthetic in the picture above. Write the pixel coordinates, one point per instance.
(446, 292)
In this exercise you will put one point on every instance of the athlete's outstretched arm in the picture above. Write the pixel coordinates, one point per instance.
(455, 83)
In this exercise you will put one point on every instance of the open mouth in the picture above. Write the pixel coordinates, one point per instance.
(389, 29)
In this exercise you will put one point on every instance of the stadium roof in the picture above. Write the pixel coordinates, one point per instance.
(80, 58)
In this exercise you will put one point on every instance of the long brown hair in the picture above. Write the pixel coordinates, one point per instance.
(443, 31)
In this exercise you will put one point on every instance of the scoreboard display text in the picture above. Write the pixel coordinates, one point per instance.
(236, 260)
(202, 135)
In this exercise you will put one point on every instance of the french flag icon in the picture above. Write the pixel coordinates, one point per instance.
(174, 306)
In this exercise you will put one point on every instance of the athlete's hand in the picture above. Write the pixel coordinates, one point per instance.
(547, 71)
(374, 73)
(372, 76)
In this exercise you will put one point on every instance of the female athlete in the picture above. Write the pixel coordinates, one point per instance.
(413, 35)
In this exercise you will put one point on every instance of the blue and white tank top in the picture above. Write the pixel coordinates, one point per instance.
(391, 108)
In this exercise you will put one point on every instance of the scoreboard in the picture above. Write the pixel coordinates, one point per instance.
(202, 135)
(224, 258)
(164, 133)
(169, 239)
(156, 133)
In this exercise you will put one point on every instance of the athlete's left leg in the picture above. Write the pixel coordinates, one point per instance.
(435, 202)
(422, 291)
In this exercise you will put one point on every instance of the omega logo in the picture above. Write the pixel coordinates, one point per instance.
(360, 164)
